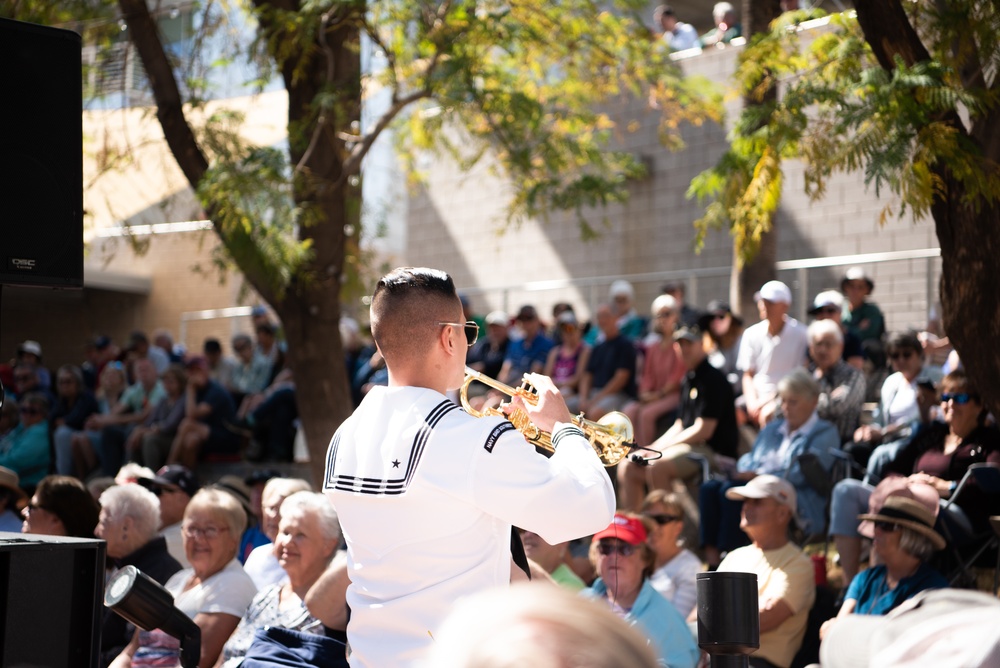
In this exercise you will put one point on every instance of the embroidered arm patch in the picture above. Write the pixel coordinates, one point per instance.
(495, 434)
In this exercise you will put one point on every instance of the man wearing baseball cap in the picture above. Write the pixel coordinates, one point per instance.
(705, 426)
(174, 486)
(786, 588)
(770, 350)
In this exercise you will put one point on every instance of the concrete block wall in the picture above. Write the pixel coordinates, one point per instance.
(454, 216)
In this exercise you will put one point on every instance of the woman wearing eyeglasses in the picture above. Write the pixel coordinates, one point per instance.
(904, 540)
(25, 450)
(215, 592)
(675, 566)
(624, 561)
(898, 409)
(938, 455)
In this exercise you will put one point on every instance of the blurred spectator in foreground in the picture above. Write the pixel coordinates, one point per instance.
(678, 35)
(528, 625)
(61, 506)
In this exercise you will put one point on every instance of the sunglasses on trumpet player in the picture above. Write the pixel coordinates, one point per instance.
(471, 330)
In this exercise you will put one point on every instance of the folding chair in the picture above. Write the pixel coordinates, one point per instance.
(959, 532)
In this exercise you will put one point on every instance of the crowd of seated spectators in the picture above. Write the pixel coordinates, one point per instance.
(734, 422)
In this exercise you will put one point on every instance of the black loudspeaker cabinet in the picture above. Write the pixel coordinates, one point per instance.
(41, 156)
(52, 592)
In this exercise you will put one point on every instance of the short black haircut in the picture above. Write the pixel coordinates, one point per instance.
(212, 346)
(407, 305)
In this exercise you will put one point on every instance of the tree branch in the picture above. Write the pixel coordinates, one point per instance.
(360, 150)
(169, 105)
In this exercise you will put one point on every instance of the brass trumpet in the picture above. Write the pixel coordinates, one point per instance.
(611, 436)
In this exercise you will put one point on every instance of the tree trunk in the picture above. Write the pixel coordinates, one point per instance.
(969, 235)
(746, 280)
(970, 301)
(310, 309)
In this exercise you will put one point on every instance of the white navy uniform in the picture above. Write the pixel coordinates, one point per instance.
(426, 496)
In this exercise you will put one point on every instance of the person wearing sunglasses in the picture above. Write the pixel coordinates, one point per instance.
(786, 588)
(427, 494)
(25, 450)
(528, 353)
(624, 562)
(725, 332)
(876, 444)
(903, 539)
(938, 455)
(675, 565)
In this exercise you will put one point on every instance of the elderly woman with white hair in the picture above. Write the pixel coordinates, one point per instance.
(662, 374)
(841, 386)
(262, 565)
(306, 543)
(215, 592)
(777, 451)
(128, 523)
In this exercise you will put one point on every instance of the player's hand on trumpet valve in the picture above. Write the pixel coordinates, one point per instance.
(550, 407)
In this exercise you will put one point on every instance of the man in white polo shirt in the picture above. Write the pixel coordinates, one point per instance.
(769, 351)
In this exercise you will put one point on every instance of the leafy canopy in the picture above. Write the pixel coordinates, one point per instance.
(839, 110)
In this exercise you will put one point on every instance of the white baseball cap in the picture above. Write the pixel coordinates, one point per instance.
(774, 291)
(765, 486)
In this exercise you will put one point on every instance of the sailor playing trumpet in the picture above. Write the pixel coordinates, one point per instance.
(427, 494)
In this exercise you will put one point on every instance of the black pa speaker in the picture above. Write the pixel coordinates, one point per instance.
(51, 601)
(41, 156)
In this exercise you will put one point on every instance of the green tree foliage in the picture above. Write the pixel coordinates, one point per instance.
(840, 109)
(527, 83)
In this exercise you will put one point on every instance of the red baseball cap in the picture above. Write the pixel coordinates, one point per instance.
(628, 529)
